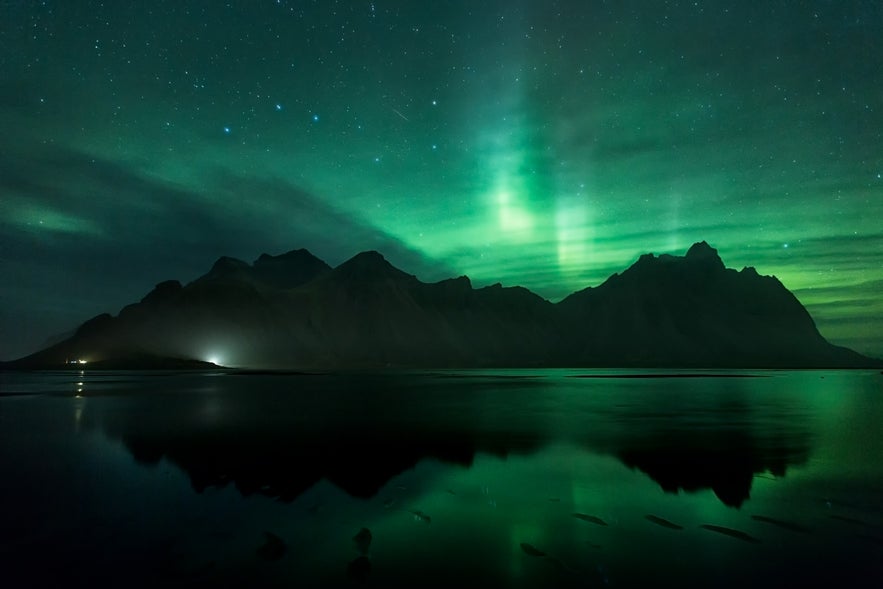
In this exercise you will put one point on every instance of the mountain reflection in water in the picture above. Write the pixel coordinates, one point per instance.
(511, 478)
(359, 432)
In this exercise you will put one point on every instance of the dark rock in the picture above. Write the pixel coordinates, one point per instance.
(362, 541)
(273, 547)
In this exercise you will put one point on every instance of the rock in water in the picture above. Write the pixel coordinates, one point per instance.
(590, 518)
(273, 548)
(531, 550)
(732, 533)
(362, 541)
(663, 522)
(785, 525)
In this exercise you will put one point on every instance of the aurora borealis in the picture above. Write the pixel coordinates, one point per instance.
(539, 143)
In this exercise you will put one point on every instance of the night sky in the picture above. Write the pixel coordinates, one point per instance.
(538, 143)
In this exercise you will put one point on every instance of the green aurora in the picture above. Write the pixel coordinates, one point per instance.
(545, 144)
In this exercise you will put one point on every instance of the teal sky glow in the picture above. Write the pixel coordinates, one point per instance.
(546, 144)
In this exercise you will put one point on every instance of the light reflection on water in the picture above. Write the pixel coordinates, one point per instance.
(174, 478)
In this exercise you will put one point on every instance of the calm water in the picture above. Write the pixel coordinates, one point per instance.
(517, 478)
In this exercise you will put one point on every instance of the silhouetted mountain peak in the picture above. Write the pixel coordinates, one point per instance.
(227, 265)
(294, 256)
(700, 256)
(704, 253)
(701, 248)
(367, 259)
(288, 270)
(95, 325)
(163, 291)
(645, 259)
(284, 271)
(369, 265)
(459, 282)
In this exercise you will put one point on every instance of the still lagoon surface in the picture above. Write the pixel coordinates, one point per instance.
(559, 478)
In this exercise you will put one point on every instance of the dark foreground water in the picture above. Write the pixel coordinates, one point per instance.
(521, 479)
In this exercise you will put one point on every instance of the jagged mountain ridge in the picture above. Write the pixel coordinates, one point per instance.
(294, 310)
(693, 310)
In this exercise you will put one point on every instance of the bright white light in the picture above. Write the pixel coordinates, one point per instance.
(214, 360)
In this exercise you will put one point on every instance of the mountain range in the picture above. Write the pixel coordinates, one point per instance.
(296, 311)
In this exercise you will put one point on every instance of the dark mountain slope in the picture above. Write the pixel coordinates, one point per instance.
(294, 310)
(692, 311)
